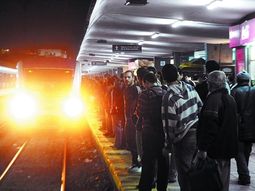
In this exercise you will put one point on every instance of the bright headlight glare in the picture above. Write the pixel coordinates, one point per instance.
(73, 107)
(22, 106)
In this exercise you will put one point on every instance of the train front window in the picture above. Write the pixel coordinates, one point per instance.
(48, 81)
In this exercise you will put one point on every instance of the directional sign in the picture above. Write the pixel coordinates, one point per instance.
(126, 48)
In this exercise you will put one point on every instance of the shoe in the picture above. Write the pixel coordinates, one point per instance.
(244, 182)
(136, 169)
(171, 180)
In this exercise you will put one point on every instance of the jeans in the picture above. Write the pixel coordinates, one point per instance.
(184, 151)
(154, 162)
(242, 160)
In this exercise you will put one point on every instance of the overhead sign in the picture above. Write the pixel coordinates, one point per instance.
(126, 48)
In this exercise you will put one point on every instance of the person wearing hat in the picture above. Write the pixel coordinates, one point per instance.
(245, 99)
(180, 108)
(217, 129)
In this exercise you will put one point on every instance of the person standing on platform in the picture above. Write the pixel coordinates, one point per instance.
(217, 128)
(245, 99)
(140, 74)
(131, 93)
(180, 108)
(149, 114)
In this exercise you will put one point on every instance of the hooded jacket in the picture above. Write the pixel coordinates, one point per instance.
(180, 108)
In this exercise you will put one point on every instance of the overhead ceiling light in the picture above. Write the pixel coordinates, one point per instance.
(183, 23)
(177, 24)
(140, 42)
(155, 35)
(135, 2)
(213, 4)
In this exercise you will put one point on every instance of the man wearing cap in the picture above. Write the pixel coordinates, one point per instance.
(180, 107)
(245, 100)
(217, 129)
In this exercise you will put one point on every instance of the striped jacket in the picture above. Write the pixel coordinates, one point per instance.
(180, 108)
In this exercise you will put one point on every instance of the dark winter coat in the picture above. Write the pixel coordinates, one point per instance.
(247, 115)
(149, 114)
(217, 129)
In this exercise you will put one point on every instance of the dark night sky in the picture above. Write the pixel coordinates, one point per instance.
(43, 23)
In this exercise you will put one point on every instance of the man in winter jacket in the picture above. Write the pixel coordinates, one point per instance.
(180, 107)
(245, 99)
(149, 114)
(217, 129)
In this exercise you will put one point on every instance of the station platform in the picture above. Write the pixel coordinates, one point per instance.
(118, 162)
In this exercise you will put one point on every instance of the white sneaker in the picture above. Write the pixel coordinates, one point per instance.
(135, 169)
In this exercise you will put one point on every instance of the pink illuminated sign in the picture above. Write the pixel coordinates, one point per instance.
(248, 32)
(242, 34)
(234, 36)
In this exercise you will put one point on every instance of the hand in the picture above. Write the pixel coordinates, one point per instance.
(201, 155)
(139, 159)
(165, 152)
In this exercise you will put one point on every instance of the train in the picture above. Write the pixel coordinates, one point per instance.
(40, 89)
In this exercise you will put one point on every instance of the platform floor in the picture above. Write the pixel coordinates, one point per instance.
(118, 162)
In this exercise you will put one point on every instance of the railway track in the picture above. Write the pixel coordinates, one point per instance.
(57, 162)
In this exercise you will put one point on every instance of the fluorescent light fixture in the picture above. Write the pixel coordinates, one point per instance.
(183, 23)
(140, 42)
(214, 4)
(135, 2)
(177, 24)
(155, 35)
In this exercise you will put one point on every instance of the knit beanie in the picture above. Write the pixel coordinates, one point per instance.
(243, 77)
(170, 73)
(218, 79)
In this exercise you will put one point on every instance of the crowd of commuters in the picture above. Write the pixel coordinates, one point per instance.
(163, 118)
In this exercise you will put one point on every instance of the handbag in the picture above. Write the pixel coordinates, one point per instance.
(204, 175)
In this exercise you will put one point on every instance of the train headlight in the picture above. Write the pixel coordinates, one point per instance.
(23, 106)
(73, 107)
